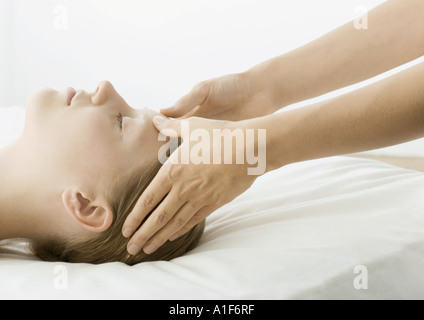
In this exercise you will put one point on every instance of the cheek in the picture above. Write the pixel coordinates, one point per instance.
(91, 142)
(140, 133)
(79, 143)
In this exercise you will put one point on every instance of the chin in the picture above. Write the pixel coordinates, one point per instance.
(39, 105)
(40, 98)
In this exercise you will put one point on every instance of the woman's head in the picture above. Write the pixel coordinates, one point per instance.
(110, 245)
(93, 155)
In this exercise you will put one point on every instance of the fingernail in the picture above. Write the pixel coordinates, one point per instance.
(133, 249)
(128, 232)
(159, 120)
(149, 249)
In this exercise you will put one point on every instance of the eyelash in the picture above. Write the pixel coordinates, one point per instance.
(119, 121)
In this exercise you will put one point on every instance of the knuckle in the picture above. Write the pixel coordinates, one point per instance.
(162, 218)
(197, 218)
(211, 196)
(187, 190)
(180, 222)
(202, 88)
(192, 207)
(175, 172)
(149, 200)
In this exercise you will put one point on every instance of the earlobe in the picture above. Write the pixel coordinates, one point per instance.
(93, 215)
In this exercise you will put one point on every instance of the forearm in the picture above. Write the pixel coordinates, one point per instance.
(385, 113)
(345, 56)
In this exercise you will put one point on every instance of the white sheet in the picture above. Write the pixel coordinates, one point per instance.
(298, 233)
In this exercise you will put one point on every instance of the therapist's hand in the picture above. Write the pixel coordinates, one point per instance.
(232, 97)
(190, 192)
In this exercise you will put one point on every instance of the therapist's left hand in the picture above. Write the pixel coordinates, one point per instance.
(190, 192)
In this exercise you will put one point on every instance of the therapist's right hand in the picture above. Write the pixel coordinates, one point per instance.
(233, 97)
(183, 195)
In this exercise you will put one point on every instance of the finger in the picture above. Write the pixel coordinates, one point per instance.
(192, 113)
(167, 127)
(157, 220)
(202, 112)
(197, 96)
(154, 193)
(177, 223)
(201, 215)
(178, 128)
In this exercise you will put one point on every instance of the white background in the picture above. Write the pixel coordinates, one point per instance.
(153, 51)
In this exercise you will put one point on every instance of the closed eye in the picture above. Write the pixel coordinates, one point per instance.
(119, 119)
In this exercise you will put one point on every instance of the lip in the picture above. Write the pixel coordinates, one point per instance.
(70, 94)
(97, 90)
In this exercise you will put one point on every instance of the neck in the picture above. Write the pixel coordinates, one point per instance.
(22, 213)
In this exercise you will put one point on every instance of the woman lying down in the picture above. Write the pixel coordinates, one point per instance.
(76, 172)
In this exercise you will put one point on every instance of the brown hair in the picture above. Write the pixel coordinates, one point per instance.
(110, 246)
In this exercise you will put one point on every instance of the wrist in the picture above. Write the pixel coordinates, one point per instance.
(248, 144)
(274, 78)
(263, 85)
(264, 143)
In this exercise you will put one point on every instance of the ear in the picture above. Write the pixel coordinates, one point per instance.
(95, 216)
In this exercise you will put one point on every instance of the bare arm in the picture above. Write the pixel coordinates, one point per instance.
(385, 113)
(345, 56)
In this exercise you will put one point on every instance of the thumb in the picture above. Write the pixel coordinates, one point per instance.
(167, 127)
(186, 104)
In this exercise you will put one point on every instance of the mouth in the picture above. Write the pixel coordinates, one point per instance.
(70, 94)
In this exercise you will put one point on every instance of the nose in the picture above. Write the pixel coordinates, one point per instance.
(104, 91)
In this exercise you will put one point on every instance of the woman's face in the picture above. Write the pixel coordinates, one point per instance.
(94, 137)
